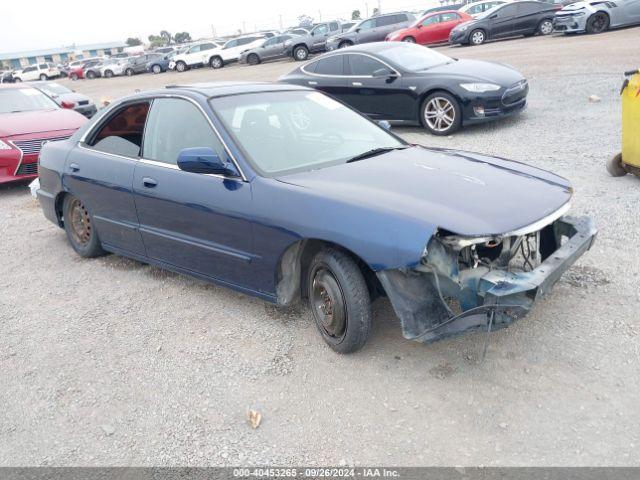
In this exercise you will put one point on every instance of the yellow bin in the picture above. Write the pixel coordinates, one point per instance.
(629, 160)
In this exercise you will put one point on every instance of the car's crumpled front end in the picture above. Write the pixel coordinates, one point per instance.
(464, 284)
(573, 18)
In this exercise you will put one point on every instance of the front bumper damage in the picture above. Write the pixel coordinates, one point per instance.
(439, 298)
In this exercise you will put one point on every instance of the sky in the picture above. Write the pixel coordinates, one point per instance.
(41, 24)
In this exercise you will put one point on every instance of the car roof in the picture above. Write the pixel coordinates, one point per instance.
(373, 47)
(15, 86)
(222, 89)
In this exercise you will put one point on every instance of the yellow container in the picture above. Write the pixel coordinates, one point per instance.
(631, 122)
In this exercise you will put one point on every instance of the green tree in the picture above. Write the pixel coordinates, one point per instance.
(305, 21)
(156, 41)
(182, 37)
(376, 11)
(133, 41)
(355, 15)
(166, 36)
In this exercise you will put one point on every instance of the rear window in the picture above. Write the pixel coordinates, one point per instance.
(333, 65)
(14, 100)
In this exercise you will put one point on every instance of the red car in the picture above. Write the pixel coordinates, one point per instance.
(434, 27)
(28, 119)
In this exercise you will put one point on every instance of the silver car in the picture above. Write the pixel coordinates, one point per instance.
(272, 48)
(596, 16)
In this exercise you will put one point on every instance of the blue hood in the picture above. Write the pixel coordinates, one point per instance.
(465, 193)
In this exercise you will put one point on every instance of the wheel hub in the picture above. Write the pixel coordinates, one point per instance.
(80, 223)
(328, 303)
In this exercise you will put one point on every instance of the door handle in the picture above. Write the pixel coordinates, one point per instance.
(312, 83)
(74, 167)
(356, 84)
(149, 182)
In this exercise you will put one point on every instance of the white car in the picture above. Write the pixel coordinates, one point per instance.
(231, 51)
(192, 57)
(114, 67)
(476, 8)
(42, 71)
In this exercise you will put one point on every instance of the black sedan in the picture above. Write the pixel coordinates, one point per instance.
(407, 83)
(506, 20)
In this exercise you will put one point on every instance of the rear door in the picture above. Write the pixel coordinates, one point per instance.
(197, 222)
(319, 36)
(29, 73)
(381, 97)
(528, 16)
(428, 30)
(99, 171)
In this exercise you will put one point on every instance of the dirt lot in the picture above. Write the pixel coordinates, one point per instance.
(112, 362)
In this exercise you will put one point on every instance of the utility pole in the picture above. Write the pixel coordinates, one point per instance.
(366, 10)
(244, 28)
(281, 27)
(319, 15)
(213, 31)
(379, 8)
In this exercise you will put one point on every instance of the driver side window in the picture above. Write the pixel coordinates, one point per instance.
(175, 124)
(366, 25)
(433, 19)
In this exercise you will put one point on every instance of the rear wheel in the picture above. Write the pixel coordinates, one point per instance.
(253, 59)
(108, 74)
(74, 76)
(300, 53)
(615, 166)
(545, 27)
(441, 113)
(598, 23)
(339, 300)
(477, 37)
(91, 75)
(156, 69)
(409, 40)
(128, 72)
(216, 62)
(80, 229)
(345, 44)
(17, 79)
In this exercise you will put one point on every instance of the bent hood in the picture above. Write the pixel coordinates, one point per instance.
(480, 70)
(466, 193)
(23, 123)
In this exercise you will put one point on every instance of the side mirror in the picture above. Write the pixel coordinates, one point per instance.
(69, 105)
(357, 30)
(384, 124)
(419, 25)
(203, 160)
(384, 72)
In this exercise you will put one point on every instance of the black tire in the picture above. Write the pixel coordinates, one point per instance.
(545, 27)
(253, 59)
(477, 37)
(336, 284)
(108, 74)
(216, 62)
(300, 53)
(91, 75)
(156, 69)
(80, 229)
(74, 76)
(615, 166)
(128, 72)
(181, 66)
(432, 125)
(345, 44)
(43, 78)
(598, 23)
(17, 79)
(409, 40)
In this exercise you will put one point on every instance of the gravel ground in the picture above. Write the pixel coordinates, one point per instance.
(112, 362)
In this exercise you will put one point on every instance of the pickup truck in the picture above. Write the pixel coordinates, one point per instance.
(301, 46)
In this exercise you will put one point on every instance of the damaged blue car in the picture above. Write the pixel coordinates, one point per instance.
(281, 192)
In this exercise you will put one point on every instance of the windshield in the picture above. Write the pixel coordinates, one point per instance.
(54, 89)
(286, 132)
(413, 57)
(486, 13)
(24, 100)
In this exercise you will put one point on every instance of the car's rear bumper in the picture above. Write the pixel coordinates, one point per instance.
(499, 296)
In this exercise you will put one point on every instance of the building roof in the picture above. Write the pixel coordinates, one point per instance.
(60, 50)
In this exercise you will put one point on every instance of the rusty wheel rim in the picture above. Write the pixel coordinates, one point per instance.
(81, 229)
(328, 303)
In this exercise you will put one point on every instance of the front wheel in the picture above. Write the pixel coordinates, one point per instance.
(253, 59)
(216, 62)
(74, 76)
(181, 66)
(17, 79)
(409, 40)
(598, 23)
(477, 37)
(615, 166)
(300, 53)
(91, 75)
(545, 27)
(345, 45)
(128, 72)
(339, 300)
(441, 113)
(156, 69)
(80, 229)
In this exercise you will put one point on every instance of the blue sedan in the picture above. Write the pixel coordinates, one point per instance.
(283, 193)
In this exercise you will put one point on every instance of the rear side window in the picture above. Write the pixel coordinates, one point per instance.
(506, 11)
(363, 65)
(333, 26)
(528, 8)
(122, 133)
(449, 17)
(175, 124)
(333, 65)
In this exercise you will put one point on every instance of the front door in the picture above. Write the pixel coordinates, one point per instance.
(379, 95)
(328, 75)
(100, 173)
(196, 222)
